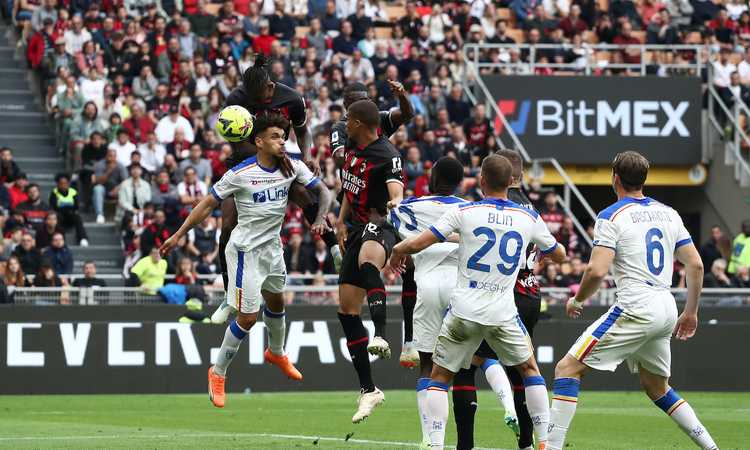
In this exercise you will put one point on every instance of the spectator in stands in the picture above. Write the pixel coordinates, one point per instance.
(145, 84)
(155, 233)
(34, 209)
(200, 165)
(152, 153)
(551, 214)
(150, 271)
(344, 44)
(85, 123)
(17, 190)
(477, 127)
(567, 236)
(9, 170)
(630, 55)
(422, 183)
(140, 124)
(185, 274)
(58, 255)
(723, 27)
(191, 190)
(64, 200)
(76, 36)
(203, 241)
(14, 275)
(108, 174)
(717, 277)
(413, 166)
(741, 278)
(48, 229)
(47, 278)
(133, 193)
(573, 24)
(58, 58)
(166, 127)
(741, 249)
(661, 31)
(715, 247)
(163, 193)
(28, 254)
(89, 277)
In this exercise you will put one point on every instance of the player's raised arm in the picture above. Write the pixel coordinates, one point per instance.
(593, 275)
(395, 182)
(197, 215)
(687, 323)
(312, 183)
(405, 112)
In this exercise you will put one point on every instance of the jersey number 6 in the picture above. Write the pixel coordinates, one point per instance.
(653, 244)
(507, 258)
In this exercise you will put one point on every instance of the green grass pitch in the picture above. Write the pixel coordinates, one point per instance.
(605, 420)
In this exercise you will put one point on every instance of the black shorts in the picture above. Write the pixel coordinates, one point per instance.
(528, 311)
(384, 234)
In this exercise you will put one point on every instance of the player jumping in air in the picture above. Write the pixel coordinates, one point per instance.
(436, 272)
(372, 182)
(641, 237)
(254, 253)
(261, 96)
(494, 234)
(390, 121)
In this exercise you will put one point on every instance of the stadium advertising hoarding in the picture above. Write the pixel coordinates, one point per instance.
(587, 120)
(155, 354)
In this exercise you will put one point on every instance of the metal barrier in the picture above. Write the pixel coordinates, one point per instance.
(590, 57)
(321, 295)
(537, 163)
(732, 153)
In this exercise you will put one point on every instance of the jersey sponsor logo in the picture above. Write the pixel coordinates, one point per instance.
(258, 181)
(486, 286)
(352, 183)
(271, 195)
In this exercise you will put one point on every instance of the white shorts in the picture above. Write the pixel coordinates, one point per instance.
(262, 268)
(460, 338)
(434, 291)
(640, 335)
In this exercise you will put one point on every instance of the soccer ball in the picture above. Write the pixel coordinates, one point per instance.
(234, 123)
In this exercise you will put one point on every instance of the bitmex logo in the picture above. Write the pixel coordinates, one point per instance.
(640, 118)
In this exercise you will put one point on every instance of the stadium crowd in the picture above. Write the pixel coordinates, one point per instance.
(135, 86)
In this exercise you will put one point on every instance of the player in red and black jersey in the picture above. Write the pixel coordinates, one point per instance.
(528, 302)
(390, 121)
(372, 181)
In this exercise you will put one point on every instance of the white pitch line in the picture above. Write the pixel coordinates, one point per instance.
(212, 435)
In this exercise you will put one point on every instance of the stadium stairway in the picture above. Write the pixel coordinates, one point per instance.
(25, 128)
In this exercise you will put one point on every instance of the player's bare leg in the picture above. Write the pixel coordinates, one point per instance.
(233, 337)
(371, 261)
(500, 384)
(228, 222)
(658, 390)
(350, 307)
(275, 319)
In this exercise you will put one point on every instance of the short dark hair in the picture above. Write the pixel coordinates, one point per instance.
(60, 176)
(497, 171)
(516, 161)
(267, 121)
(31, 185)
(353, 92)
(256, 77)
(447, 174)
(366, 112)
(632, 168)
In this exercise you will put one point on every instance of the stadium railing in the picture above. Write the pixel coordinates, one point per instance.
(720, 116)
(320, 295)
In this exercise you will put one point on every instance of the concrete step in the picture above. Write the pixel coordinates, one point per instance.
(24, 148)
(40, 164)
(25, 125)
(26, 105)
(15, 95)
(13, 82)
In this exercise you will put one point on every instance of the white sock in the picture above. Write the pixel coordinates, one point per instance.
(564, 402)
(437, 413)
(500, 384)
(276, 327)
(682, 413)
(233, 337)
(538, 404)
(422, 384)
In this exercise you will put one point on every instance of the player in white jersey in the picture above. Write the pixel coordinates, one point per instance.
(254, 254)
(493, 236)
(639, 237)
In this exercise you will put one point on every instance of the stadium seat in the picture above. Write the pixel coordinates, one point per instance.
(640, 35)
(395, 12)
(603, 5)
(517, 34)
(383, 32)
(213, 8)
(301, 32)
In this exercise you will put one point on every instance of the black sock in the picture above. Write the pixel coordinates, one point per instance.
(356, 341)
(464, 407)
(408, 301)
(311, 213)
(375, 288)
(526, 436)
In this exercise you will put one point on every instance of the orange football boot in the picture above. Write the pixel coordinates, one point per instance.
(283, 363)
(216, 388)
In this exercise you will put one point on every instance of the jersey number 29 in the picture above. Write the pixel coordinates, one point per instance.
(507, 258)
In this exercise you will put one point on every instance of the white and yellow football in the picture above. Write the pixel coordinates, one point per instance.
(234, 123)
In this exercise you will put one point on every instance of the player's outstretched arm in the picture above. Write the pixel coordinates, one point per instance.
(197, 215)
(395, 193)
(324, 205)
(410, 247)
(688, 321)
(405, 112)
(596, 270)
